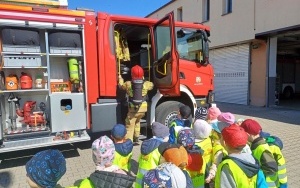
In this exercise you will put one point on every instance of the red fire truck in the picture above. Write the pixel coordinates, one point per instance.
(59, 71)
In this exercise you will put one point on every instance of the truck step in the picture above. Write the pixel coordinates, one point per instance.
(30, 143)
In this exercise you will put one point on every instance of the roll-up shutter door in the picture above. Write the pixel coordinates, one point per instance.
(231, 67)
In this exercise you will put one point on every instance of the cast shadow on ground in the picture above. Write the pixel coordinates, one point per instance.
(134, 166)
(7, 176)
(280, 114)
(133, 172)
(20, 158)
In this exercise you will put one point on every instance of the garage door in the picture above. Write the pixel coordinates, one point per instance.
(231, 66)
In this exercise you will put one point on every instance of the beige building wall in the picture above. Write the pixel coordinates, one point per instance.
(276, 14)
(235, 27)
(247, 19)
(258, 73)
(191, 10)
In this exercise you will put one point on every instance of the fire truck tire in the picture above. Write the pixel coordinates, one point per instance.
(167, 111)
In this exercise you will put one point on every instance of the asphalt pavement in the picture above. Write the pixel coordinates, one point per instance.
(278, 121)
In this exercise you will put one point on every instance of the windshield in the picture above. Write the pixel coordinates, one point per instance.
(190, 44)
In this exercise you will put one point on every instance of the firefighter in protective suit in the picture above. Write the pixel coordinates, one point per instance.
(136, 90)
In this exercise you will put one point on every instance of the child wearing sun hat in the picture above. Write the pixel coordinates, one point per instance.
(262, 151)
(202, 131)
(165, 175)
(45, 168)
(176, 154)
(196, 163)
(150, 157)
(106, 173)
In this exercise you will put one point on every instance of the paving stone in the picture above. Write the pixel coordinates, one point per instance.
(278, 121)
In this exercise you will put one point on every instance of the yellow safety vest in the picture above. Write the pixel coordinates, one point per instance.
(272, 181)
(206, 146)
(123, 161)
(218, 147)
(198, 177)
(146, 163)
(282, 176)
(85, 183)
(240, 178)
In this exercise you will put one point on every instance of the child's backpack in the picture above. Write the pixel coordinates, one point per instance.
(276, 145)
(272, 140)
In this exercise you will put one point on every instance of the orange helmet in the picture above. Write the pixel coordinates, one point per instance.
(137, 72)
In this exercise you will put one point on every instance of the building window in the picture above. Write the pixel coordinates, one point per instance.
(179, 14)
(227, 6)
(205, 10)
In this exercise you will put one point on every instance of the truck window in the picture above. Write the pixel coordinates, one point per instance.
(189, 44)
(163, 36)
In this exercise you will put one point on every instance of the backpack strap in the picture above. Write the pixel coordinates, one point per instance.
(274, 140)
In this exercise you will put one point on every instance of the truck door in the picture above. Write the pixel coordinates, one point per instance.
(166, 57)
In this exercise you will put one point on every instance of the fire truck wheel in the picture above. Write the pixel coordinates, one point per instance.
(167, 111)
(288, 92)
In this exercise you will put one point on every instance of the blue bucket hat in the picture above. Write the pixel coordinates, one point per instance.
(118, 131)
(46, 168)
(186, 137)
(156, 178)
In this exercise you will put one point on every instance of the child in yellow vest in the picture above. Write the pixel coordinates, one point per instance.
(238, 169)
(123, 147)
(103, 152)
(202, 131)
(196, 164)
(224, 120)
(262, 152)
(150, 156)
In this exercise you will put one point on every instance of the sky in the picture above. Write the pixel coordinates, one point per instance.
(121, 7)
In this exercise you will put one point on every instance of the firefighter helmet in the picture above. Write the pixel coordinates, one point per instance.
(137, 73)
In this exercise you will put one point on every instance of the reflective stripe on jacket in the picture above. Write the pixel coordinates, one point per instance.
(146, 163)
(272, 181)
(282, 176)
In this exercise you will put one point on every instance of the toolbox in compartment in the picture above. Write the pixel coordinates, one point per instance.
(65, 43)
(19, 61)
(20, 40)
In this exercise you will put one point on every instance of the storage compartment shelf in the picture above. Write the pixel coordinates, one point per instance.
(20, 61)
(21, 48)
(23, 90)
(23, 53)
(65, 55)
(25, 67)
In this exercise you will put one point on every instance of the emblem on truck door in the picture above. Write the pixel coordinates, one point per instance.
(198, 81)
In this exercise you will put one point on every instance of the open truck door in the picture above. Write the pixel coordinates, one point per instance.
(166, 57)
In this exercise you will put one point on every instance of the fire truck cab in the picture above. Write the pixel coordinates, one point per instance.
(60, 68)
